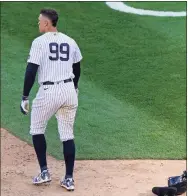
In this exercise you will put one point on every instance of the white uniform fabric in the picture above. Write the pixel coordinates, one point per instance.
(54, 53)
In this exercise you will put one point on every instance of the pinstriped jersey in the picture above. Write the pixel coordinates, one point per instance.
(55, 54)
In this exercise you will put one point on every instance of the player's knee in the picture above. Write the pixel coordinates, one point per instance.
(37, 128)
(66, 132)
(37, 131)
(66, 138)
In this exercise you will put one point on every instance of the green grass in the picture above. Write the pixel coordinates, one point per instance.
(132, 100)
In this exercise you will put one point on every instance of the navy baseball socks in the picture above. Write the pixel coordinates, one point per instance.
(39, 143)
(69, 157)
(67, 182)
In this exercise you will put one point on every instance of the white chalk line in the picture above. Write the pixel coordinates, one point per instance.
(120, 6)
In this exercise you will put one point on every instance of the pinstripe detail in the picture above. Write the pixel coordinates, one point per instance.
(53, 70)
(58, 99)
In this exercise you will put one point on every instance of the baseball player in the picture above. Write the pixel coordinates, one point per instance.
(56, 57)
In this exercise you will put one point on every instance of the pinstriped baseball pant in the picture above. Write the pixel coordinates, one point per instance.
(59, 100)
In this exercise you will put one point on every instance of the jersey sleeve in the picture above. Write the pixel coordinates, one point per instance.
(77, 56)
(35, 53)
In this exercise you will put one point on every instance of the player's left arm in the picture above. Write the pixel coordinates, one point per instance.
(76, 65)
(30, 75)
(76, 72)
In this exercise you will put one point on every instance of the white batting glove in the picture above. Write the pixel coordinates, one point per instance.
(24, 105)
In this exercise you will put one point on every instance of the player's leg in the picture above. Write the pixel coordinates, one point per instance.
(42, 111)
(66, 118)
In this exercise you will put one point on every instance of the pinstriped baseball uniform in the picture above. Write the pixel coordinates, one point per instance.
(55, 54)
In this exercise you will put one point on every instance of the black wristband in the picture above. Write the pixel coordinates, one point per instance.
(24, 97)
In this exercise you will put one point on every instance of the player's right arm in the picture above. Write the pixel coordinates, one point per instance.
(33, 61)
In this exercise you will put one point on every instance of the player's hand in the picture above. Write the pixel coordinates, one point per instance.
(24, 106)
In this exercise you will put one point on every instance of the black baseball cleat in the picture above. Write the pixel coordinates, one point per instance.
(164, 191)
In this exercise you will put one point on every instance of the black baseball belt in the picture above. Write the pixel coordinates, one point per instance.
(52, 83)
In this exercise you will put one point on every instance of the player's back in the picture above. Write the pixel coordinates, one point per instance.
(58, 53)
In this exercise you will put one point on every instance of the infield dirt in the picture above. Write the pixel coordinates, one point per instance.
(92, 178)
